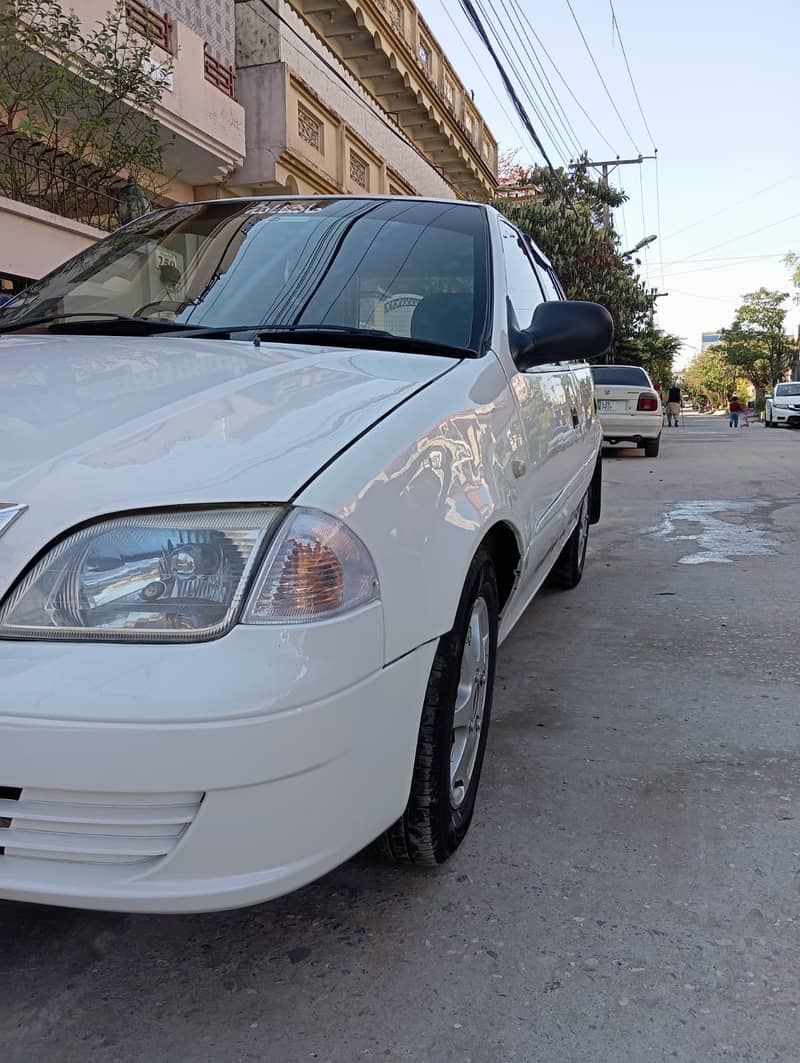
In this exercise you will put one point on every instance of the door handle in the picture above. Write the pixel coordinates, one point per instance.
(575, 418)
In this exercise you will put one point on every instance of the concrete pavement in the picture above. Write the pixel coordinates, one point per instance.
(630, 886)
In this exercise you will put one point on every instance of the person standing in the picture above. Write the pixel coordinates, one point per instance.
(673, 404)
(734, 409)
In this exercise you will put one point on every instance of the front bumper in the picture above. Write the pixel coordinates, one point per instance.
(788, 417)
(203, 813)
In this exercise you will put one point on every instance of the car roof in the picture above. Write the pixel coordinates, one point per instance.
(339, 195)
(487, 207)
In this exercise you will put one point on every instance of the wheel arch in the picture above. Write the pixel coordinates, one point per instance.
(501, 542)
(596, 498)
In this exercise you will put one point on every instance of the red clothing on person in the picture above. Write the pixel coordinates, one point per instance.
(735, 406)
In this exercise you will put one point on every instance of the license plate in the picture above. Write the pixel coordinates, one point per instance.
(610, 405)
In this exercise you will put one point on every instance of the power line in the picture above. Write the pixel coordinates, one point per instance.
(475, 19)
(743, 236)
(713, 269)
(727, 258)
(469, 47)
(615, 25)
(730, 206)
(602, 79)
(707, 298)
(567, 85)
(644, 223)
(542, 77)
(506, 45)
(658, 215)
(622, 207)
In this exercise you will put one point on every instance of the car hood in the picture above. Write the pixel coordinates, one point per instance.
(94, 425)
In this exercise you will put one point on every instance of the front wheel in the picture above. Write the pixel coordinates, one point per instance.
(453, 730)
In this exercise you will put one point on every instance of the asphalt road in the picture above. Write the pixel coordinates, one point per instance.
(630, 887)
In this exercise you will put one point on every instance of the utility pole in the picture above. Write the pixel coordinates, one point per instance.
(655, 294)
(606, 166)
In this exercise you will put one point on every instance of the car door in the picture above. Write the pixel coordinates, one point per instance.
(582, 408)
(545, 399)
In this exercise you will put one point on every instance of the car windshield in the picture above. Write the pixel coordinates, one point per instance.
(787, 389)
(630, 375)
(408, 268)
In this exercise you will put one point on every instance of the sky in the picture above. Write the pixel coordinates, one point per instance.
(717, 81)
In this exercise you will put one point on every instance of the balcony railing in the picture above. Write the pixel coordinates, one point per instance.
(153, 27)
(223, 77)
(38, 176)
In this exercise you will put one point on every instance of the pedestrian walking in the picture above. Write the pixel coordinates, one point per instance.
(673, 405)
(734, 409)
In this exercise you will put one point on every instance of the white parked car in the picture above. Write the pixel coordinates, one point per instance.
(259, 547)
(783, 406)
(628, 405)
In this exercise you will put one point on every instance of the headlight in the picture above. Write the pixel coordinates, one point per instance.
(182, 577)
(152, 577)
(316, 569)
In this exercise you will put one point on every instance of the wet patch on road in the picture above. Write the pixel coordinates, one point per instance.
(727, 529)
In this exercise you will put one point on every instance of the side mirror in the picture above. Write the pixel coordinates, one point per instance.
(562, 331)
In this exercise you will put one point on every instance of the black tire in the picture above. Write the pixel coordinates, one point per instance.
(651, 447)
(433, 826)
(567, 572)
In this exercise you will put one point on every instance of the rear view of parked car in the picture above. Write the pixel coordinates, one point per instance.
(628, 406)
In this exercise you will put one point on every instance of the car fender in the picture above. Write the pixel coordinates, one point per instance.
(423, 489)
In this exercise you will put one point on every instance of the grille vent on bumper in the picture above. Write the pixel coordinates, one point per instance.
(93, 828)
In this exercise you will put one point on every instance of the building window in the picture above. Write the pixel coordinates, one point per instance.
(425, 55)
(359, 171)
(309, 127)
(395, 12)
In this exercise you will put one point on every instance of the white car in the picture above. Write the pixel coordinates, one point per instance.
(783, 406)
(629, 407)
(258, 549)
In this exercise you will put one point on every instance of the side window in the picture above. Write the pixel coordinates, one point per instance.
(524, 291)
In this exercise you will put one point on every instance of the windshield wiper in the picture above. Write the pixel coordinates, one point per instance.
(340, 336)
(81, 320)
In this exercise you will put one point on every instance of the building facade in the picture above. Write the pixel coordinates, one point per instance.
(267, 97)
(201, 123)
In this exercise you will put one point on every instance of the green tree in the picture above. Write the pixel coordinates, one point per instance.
(756, 344)
(78, 104)
(710, 379)
(653, 349)
(585, 254)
